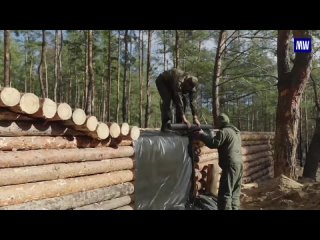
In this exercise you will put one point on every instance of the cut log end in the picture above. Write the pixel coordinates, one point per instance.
(9, 97)
(102, 131)
(92, 123)
(125, 128)
(64, 111)
(114, 130)
(49, 108)
(29, 103)
(79, 116)
(134, 133)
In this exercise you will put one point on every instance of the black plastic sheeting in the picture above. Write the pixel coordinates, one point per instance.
(163, 171)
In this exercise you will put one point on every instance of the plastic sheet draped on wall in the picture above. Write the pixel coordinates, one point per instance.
(163, 171)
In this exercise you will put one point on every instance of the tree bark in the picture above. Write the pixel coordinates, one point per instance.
(217, 74)
(75, 200)
(16, 194)
(291, 85)
(148, 104)
(7, 58)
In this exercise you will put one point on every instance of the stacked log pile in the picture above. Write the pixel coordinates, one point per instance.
(53, 157)
(257, 150)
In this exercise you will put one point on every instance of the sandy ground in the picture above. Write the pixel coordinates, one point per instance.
(281, 193)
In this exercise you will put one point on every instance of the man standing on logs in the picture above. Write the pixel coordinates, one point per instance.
(173, 86)
(228, 143)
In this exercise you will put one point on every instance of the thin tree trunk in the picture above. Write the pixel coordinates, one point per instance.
(141, 56)
(60, 67)
(217, 74)
(164, 50)
(177, 50)
(41, 66)
(129, 84)
(125, 89)
(118, 77)
(291, 85)
(56, 48)
(109, 78)
(86, 78)
(26, 49)
(148, 104)
(90, 96)
(6, 56)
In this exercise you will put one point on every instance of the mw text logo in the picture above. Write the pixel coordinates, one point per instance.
(302, 45)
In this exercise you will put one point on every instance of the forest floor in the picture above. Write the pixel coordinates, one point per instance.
(281, 193)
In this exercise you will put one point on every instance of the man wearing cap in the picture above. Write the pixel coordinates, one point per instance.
(228, 143)
(178, 87)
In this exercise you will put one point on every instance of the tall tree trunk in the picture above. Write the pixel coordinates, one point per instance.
(56, 50)
(291, 85)
(312, 159)
(125, 80)
(6, 57)
(148, 104)
(109, 77)
(164, 50)
(129, 83)
(141, 78)
(57, 64)
(41, 68)
(90, 96)
(118, 77)
(26, 49)
(217, 74)
(86, 71)
(177, 50)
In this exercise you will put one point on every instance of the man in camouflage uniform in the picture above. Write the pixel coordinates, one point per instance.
(173, 86)
(228, 143)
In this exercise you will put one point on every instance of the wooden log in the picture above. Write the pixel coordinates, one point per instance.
(48, 156)
(64, 112)
(251, 137)
(10, 176)
(16, 194)
(109, 204)
(127, 207)
(38, 128)
(255, 142)
(198, 174)
(254, 149)
(47, 109)
(91, 123)
(48, 142)
(29, 104)
(134, 133)
(256, 175)
(203, 165)
(114, 129)
(255, 169)
(75, 200)
(9, 97)
(254, 156)
(208, 157)
(102, 131)
(206, 150)
(212, 184)
(124, 129)
(79, 117)
(7, 115)
(248, 165)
